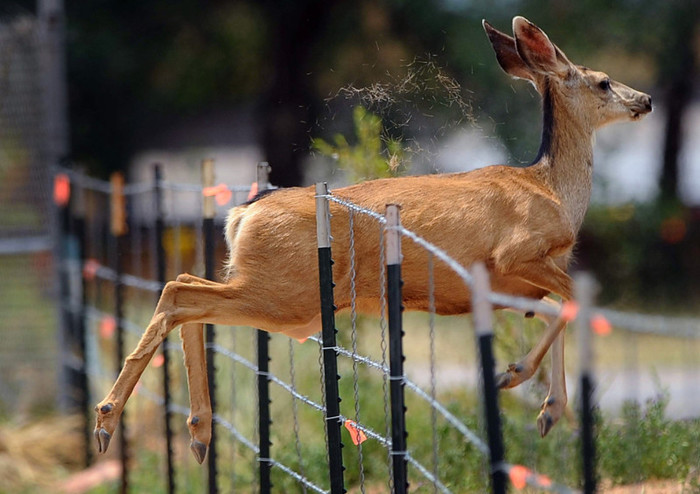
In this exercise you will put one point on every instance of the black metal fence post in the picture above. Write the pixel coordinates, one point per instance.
(263, 171)
(396, 356)
(483, 327)
(160, 275)
(264, 411)
(68, 253)
(118, 230)
(584, 289)
(209, 212)
(329, 348)
(78, 203)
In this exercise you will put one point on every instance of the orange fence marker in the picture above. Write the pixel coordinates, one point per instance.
(518, 475)
(61, 189)
(357, 436)
(543, 480)
(108, 325)
(253, 191)
(158, 360)
(90, 267)
(221, 193)
(569, 310)
(600, 325)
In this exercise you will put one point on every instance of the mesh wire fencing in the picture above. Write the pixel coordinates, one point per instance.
(447, 447)
(28, 355)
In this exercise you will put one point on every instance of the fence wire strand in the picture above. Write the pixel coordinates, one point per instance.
(688, 328)
(353, 324)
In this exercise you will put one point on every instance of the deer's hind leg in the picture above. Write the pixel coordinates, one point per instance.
(191, 300)
(199, 422)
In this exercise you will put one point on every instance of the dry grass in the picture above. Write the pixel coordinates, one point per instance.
(651, 487)
(36, 454)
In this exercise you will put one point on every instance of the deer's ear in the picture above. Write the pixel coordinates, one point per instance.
(536, 50)
(507, 53)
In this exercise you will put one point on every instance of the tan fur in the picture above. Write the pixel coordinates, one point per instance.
(522, 222)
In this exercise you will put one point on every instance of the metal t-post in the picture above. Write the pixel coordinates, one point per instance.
(483, 327)
(329, 348)
(396, 357)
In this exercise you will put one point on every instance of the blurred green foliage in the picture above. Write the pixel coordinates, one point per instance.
(646, 444)
(642, 445)
(374, 155)
(644, 254)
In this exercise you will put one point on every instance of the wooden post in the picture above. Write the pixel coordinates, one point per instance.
(118, 229)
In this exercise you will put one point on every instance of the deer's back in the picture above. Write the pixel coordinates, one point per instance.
(468, 215)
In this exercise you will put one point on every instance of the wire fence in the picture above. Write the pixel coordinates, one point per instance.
(116, 275)
(28, 356)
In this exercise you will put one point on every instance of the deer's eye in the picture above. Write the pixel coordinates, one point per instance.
(604, 84)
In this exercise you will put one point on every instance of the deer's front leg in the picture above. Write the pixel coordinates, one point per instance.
(524, 369)
(199, 421)
(555, 403)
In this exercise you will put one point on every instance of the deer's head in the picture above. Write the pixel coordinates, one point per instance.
(591, 96)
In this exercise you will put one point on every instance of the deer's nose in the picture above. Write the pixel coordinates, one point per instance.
(646, 101)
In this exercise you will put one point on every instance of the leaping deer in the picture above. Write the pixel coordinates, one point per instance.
(522, 222)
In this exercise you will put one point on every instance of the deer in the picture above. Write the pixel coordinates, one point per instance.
(522, 222)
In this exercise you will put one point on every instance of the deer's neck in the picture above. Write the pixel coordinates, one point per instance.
(565, 158)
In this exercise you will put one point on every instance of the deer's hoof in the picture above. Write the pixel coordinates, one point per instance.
(552, 410)
(510, 378)
(545, 422)
(103, 438)
(199, 450)
(503, 380)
